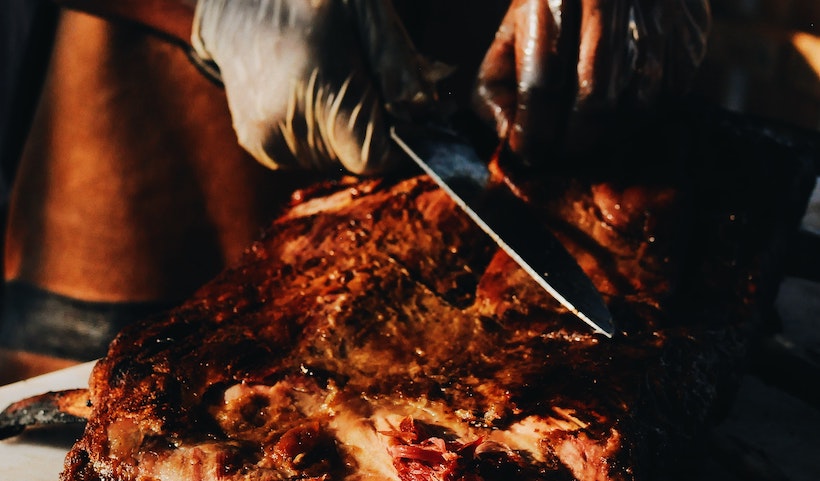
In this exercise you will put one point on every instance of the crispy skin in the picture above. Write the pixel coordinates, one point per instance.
(375, 333)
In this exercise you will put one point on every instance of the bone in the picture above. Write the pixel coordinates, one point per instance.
(56, 407)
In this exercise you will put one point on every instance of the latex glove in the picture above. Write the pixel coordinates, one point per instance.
(557, 72)
(310, 82)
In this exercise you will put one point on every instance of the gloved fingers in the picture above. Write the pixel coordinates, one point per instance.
(383, 78)
(496, 85)
(357, 129)
(307, 80)
(648, 45)
(541, 78)
(404, 78)
(263, 50)
(575, 71)
(606, 60)
(521, 76)
(631, 53)
(392, 81)
(688, 33)
(336, 120)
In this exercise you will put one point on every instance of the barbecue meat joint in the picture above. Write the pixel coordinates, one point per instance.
(374, 332)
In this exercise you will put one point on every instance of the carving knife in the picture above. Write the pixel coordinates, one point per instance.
(453, 163)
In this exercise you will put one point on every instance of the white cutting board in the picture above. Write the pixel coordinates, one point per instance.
(38, 455)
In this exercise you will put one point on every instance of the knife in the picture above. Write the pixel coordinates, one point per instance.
(453, 163)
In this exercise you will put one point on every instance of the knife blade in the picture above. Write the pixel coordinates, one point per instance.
(453, 163)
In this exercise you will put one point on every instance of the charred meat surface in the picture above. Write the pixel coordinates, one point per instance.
(375, 333)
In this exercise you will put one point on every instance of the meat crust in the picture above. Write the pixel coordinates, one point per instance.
(374, 332)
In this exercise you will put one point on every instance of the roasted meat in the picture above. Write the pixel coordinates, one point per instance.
(374, 332)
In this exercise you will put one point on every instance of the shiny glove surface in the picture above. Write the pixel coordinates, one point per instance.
(557, 71)
(310, 82)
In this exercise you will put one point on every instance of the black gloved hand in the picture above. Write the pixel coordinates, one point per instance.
(556, 68)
